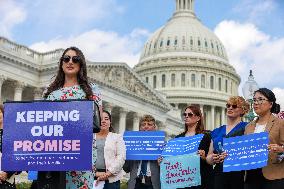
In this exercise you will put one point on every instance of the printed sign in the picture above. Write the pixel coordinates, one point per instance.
(182, 145)
(246, 152)
(144, 145)
(180, 171)
(53, 136)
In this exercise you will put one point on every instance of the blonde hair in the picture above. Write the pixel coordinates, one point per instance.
(240, 102)
(147, 118)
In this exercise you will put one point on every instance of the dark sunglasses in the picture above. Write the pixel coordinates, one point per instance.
(75, 59)
(188, 114)
(234, 106)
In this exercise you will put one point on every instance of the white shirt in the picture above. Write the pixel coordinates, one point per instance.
(259, 128)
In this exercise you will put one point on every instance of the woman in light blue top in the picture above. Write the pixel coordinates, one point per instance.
(71, 82)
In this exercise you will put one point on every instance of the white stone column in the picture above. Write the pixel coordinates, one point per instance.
(224, 120)
(19, 87)
(122, 120)
(186, 4)
(2, 79)
(38, 93)
(212, 126)
(136, 125)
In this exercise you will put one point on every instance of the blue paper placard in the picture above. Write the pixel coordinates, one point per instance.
(32, 175)
(180, 171)
(48, 136)
(144, 145)
(246, 152)
(182, 145)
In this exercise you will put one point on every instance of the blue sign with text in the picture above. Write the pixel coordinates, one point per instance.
(180, 171)
(48, 136)
(246, 152)
(182, 145)
(144, 145)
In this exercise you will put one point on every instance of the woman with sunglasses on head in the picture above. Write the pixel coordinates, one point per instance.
(71, 82)
(236, 108)
(110, 152)
(272, 175)
(193, 125)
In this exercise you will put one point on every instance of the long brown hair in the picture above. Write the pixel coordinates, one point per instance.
(81, 77)
(200, 125)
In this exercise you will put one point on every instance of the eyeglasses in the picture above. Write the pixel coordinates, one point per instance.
(75, 59)
(234, 106)
(259, 100)
(188, 114)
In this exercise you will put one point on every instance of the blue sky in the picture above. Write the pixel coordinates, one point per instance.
(115, 30)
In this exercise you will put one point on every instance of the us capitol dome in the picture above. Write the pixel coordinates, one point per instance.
(187, 64)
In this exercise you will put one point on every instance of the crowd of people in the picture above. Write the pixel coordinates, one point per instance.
(109, 151)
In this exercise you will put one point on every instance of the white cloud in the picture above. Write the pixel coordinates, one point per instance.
(250, 48)
(11, 14)
(279, 93)
(256, 10)
(101, 46)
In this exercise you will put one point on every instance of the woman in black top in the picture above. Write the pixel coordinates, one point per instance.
(193, 125)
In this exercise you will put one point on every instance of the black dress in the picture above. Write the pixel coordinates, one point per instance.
(206, 170)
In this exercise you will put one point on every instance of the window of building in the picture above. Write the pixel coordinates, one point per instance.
(173, 80)
(206, 45)
(226, 86)
(198, 42)
(183, 40)
(163, 81)
(211, 82)
(192, 80)
(183, 80)
(147, 79)
(154, 82)
(161, 43)
(202, 81)
(191, 42)
(220, 84)
(168, 42)
(176, 41)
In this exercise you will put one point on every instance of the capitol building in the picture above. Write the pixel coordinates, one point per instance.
(182, 63)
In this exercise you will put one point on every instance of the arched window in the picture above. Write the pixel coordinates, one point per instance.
(211, 82)
(155, 45)
(183, 80)
(202, 81)
(183, 40)
(220, 84)
(173, 80)
(191, 42)
(226, 85)
(161, 43)
(206, 45)
(154, 82)
(192, 80)
(168, 42)
(176, 41)
(147, 79)
(198, 42)
(163, 81)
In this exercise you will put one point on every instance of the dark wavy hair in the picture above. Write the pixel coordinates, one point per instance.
(81, 77)
(200, 125)
(271, 98)
(109, 116)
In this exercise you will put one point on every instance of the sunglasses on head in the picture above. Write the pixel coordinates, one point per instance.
(75, 59)
(234, 106)
(188, 114)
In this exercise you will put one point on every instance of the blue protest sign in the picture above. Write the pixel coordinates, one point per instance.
(180, 171)
(48, 136)
(182, 145)
(144, 145)
(32, 175)
(246, 152)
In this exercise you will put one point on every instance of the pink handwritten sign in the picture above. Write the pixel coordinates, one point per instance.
(180, 171)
